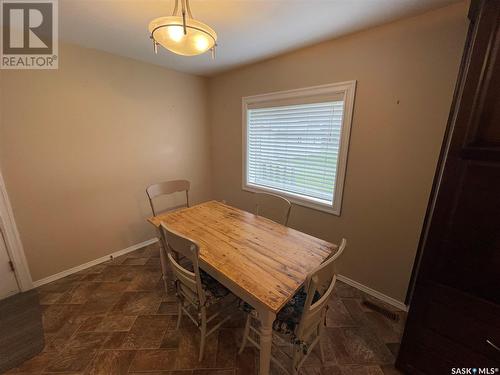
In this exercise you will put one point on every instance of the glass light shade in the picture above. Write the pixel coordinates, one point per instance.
(169, 32)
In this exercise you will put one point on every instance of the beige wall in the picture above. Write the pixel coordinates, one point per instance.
(406, 73)
(79, 145)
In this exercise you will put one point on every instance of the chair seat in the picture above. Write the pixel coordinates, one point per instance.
(214, 290)
(289, 316)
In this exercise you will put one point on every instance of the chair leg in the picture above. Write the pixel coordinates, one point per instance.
(203, 332)
(295, 360)
(321, 328)
(245, 334)
(179, 314)
(321, 351)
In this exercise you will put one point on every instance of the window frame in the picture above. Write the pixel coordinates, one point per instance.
(347, 90)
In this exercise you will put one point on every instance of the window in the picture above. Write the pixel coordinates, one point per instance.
(295, 143)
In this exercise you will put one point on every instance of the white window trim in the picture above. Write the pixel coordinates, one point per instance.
(348, 90)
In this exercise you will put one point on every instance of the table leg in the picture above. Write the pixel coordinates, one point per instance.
(163, 260)
(266, 337)
(164, 265)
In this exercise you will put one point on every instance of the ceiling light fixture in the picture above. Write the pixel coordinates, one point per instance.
(181, 33)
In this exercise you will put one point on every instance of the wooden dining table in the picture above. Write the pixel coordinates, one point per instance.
(262, 262)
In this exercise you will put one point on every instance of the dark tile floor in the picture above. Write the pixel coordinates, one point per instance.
(115, 318)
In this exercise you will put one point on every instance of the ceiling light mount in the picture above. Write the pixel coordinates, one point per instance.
(181, 33)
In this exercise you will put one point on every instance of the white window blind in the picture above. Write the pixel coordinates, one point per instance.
(295, 143)
(295, 149)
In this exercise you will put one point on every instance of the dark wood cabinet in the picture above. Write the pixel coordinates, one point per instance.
(454, 317)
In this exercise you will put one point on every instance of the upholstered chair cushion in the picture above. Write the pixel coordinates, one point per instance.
(214, 290)
(289, 316)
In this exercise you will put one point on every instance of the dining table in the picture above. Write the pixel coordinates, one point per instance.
(260, 261)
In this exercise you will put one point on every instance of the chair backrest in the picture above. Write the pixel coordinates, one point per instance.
(165, 188)
(273, 207)
(188, 283)
(321, 280)
(339, 251)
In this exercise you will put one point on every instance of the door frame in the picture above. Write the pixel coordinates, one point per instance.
(13, 242)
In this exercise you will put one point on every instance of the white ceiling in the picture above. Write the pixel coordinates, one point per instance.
(248, 30)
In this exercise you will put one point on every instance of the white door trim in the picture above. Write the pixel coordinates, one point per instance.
(13, 241)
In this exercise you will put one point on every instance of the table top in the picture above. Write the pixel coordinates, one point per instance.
(268, 260)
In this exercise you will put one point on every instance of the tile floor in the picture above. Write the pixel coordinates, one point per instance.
(115, 318)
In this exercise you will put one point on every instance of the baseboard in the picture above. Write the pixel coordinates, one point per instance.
(374, 293)
(94, 262)
(391, 301)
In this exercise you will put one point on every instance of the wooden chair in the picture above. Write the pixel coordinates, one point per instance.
(273, 207)
(167, 188)
(161, 189)
(300, 323)
(196, 291)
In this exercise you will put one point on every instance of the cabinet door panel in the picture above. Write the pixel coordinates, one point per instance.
(470, 251)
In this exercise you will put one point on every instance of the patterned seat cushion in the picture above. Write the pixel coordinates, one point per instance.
(289, 316)
(214, 290)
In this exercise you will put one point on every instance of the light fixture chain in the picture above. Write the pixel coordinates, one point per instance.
(183, 2)
(188, 7)
(176, 7)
